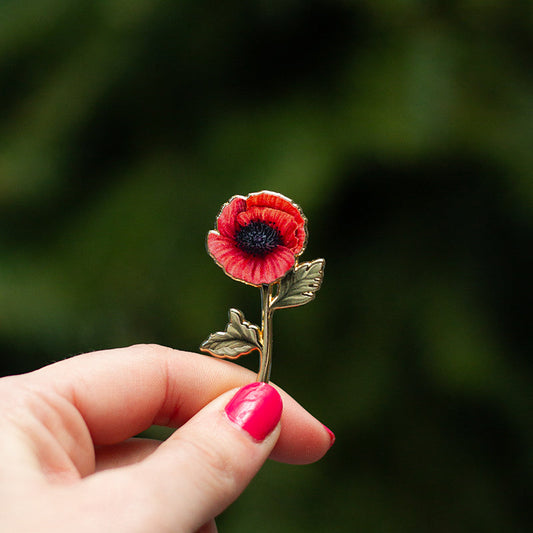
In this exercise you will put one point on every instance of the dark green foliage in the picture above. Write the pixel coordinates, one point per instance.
(404, 131)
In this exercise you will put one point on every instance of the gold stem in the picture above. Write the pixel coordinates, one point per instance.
(266, 318)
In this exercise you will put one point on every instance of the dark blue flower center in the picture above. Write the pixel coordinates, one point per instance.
(258, 238)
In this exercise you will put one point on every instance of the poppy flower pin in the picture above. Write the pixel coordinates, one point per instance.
(258, 240)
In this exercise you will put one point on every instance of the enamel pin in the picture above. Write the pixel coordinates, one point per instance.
(258, 240)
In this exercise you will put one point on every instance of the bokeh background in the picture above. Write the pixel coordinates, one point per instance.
(403, 129)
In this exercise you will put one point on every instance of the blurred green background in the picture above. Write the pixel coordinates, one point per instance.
(404, 129)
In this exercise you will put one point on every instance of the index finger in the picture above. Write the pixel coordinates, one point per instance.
(122, 392)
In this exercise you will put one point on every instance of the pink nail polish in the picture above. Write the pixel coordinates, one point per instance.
(256, 408)
(331, 436)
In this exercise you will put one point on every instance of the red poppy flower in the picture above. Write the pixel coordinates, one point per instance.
(258, 237)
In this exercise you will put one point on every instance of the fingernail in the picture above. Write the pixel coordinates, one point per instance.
(331, 436)
(256, 408)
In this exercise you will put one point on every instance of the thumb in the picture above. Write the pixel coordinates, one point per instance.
(209, 461)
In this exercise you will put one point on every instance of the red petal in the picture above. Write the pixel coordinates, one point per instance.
(282, 203)
(265, 270)
(301, 238)
(277, 264)
(276, 201)
(244, 267)
(281, 221)
(227, 219)
(220, 248)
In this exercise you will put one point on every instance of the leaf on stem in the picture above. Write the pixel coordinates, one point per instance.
(300, 285)
(239, 338)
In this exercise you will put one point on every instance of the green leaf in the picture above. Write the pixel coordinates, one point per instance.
(300, 285)
(239, 338)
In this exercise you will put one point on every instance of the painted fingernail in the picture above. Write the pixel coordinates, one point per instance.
(256, 408)
(331, 436)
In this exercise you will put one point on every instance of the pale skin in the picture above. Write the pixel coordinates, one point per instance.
(68, 461)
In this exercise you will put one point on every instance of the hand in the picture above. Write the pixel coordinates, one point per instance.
(68, 462)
